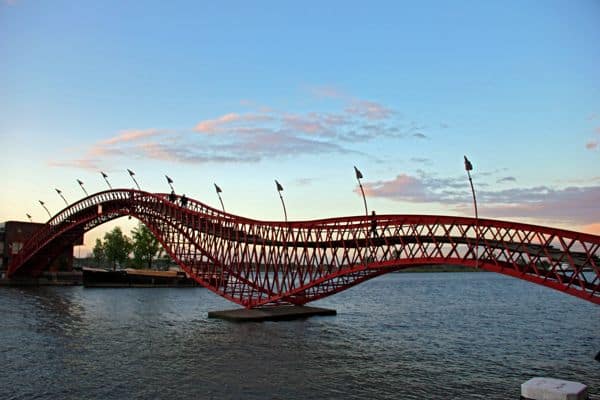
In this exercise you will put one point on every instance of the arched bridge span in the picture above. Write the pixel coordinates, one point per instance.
(255, 263)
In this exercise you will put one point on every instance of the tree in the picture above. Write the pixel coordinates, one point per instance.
(145, 246)
(116, 247)
(98, 252)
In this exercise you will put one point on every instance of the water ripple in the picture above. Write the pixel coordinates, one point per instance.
(409, 336)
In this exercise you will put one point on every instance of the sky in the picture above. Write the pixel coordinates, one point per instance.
(241, 93)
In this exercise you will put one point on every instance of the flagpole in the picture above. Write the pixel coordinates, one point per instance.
(106, 179)
(218, 189)
(61, 196)
(81, 184)
(358, 176)
(45, 208)
(170, 182)
(279, 190)
(468, 168)
(131, 174)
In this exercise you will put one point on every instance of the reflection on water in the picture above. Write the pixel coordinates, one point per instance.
(409, 336)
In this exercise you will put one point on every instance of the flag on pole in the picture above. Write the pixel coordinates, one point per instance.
(41, 202)
(169, 180)
(279, 187)
(468, 165)
(359, 175)
(131, 173)
(58, 191)
(106, 179)
(217, 188)
(28, 216)
(82, 188)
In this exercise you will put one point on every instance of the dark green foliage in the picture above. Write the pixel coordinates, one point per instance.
(145, 247)
(98, 253)
(116, 247)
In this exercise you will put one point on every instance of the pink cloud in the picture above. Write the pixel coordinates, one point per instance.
(591, 145)
(216, 125)
(574, 204)
(258, 134)
(304, 124)
(369, 110)
(131, 135)
(402, 187)
(156, 151)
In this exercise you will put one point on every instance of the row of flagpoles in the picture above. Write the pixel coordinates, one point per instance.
(170, 182)
(359, 176)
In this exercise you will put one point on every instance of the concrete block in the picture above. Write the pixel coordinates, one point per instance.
(553, 389)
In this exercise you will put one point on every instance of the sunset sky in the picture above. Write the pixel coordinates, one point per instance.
(242, 93)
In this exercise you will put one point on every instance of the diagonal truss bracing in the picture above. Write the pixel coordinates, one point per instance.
(256, 263)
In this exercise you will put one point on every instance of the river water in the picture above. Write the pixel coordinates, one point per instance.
(400, 336)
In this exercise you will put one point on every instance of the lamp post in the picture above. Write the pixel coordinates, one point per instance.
(45, 208)
(359, 176)
(81, 184)
(279, 190)
(61, 196)
(170, 182)
(106, 179)
(469, 168)
(131, 174)
(218, 189)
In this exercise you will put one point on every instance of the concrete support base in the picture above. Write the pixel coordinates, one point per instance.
(273, 313)
(553, 389)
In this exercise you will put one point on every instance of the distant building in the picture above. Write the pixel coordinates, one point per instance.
(14, 235)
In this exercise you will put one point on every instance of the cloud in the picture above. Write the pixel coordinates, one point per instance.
(591, 145)
(369, 110)
(219, 124)
(263, 133)
(573, 204)
(131, 135)
(403, 187)
(506, 179)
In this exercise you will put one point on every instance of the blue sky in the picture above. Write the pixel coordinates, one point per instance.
(241, 93)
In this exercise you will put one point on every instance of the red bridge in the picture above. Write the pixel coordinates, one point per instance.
(255, 263)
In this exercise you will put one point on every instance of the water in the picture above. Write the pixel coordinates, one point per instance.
(408, 336)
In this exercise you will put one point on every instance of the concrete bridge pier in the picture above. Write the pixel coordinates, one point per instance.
(270, 313)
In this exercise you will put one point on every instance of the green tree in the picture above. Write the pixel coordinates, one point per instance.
(145, 246)
(98, 253)
(117, 247)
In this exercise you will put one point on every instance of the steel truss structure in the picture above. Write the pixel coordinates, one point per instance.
(257, 263)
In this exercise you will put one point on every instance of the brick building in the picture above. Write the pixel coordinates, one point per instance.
(14, 235)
